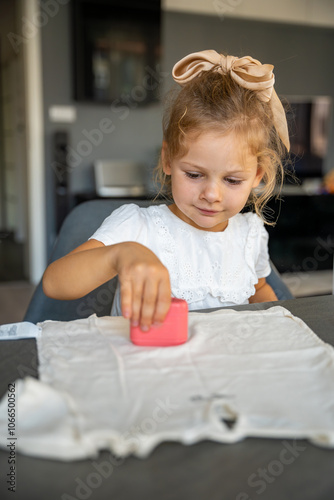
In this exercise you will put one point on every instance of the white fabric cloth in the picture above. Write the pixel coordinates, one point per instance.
(264, 370)
(207, 269)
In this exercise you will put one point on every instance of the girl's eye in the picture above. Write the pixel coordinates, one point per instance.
(193, 175)
(232, 181)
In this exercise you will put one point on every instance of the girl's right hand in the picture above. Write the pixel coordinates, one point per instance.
(144, 285)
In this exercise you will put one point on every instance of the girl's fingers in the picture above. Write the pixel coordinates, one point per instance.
(136, 305)
(156, 300)
(155, 305)
(163, 302)
(144, 286)
(126, 299)
(148, 305)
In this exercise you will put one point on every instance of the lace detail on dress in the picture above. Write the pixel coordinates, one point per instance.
(202, 263)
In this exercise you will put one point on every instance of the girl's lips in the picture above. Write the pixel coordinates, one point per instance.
(207, 212)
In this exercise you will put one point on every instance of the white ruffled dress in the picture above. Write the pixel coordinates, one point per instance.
(207, 269)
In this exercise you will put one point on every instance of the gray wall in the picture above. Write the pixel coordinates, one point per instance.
(303, 66)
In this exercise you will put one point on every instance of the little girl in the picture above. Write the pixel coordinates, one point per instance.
(225, 134)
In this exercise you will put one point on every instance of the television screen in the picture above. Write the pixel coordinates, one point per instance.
(309, 124)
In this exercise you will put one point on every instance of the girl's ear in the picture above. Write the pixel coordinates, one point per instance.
(165, 164)
(258, 177)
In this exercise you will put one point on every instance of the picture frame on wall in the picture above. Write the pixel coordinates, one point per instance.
(116, 50)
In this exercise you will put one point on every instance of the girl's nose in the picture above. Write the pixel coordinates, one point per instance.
(212, 192)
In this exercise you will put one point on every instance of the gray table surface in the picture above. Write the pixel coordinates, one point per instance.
(266, 469)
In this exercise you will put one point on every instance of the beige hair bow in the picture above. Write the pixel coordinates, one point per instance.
(246, 71)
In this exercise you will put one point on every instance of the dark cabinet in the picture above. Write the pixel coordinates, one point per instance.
(303, 237)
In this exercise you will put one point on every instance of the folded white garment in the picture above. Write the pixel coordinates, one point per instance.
(259, 374)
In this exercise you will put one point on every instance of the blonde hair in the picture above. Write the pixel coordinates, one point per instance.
(215, 102)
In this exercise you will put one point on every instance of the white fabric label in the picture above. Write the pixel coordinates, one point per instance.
(17, 331)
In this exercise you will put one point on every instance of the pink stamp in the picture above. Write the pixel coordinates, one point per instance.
(173, 331)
